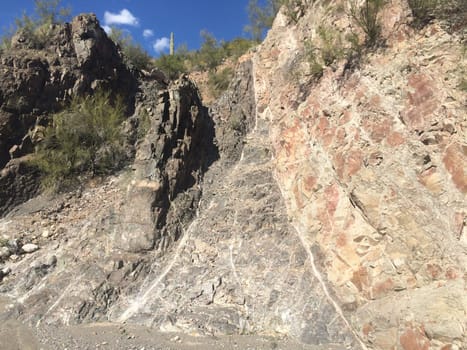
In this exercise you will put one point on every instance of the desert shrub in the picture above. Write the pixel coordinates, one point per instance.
(423, 11)
(367, 18)
(353, 51)
(38, 25)
(133, 53)
(331, 44)
(171, 65)
(50, 12)
(211, 53)
(85, 138)
(463, 69)
(325, 51)
(294, 9)
(315, 66)
(455, 14)
(452, 13)
(261, 17)
(237, 122)
(354, 41)
(219, 81)
(237, 47)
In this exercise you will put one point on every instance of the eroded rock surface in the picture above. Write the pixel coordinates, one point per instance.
(331, 210)
(371, 163)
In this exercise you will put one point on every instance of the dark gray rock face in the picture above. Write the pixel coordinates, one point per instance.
(168, 168)
(234, 113)
(18, 183)
(76, 58)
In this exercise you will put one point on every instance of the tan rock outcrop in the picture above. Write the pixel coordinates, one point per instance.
(372, 164)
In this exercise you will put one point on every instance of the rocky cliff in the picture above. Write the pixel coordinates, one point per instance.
(327, 207)
(371, 165)
(38, 79)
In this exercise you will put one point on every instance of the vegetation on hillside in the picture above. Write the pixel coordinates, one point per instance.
(38, 25)
(366, 17)
(211, 55)
(133, 53)
(452, 13)
(82, 139)
(261, 16)
(322, 51)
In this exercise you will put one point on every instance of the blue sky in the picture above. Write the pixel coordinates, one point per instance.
(151, 21)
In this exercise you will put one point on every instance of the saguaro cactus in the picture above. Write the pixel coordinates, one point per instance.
(171, 44)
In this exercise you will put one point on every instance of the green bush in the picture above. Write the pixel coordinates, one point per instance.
(423, 11)
(325, 51)
(237, 47)
(83, 139)
(463, 84)
(237, 122)
(211, 53)
(3, 242)
(219, 81)
(294, 9)
(453, 13)
(316, 68)
(261, 17)
(37, 27)
(331, 44)
(367, 18)
(133, 53)
(172, 66)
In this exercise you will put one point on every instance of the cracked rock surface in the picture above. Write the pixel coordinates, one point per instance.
(297, 213)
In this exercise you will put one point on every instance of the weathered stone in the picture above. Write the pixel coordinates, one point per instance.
(19, 181)
(169, 165)
(29, 248)
(4, 253)
(51, 261)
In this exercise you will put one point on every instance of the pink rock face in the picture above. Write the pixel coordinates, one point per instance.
(454, 160)
(414, 339)
(372, 165)
(378, 129)
(421, 102)
(395, 139)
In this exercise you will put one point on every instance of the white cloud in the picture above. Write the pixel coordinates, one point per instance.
(147, 33)
(107, 29)
(161, 44)
(124, 17)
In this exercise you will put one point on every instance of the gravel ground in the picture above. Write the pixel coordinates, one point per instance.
(110, 336)
(14, 336)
